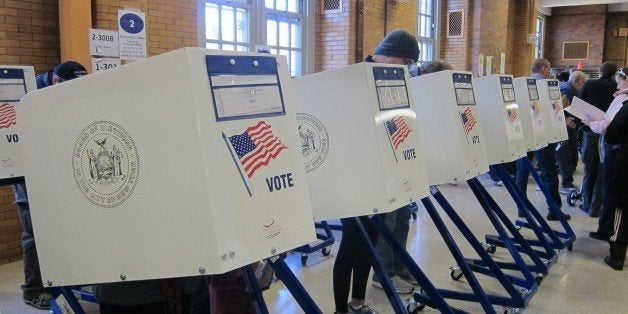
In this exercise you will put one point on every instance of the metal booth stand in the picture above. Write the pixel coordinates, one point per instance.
(121, 171)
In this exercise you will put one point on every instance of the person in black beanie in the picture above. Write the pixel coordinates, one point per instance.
(398, 47)
(65, 71)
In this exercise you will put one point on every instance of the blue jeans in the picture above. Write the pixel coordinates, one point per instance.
(32, 275)
(546, 157)
(398, 222)
(591, 196)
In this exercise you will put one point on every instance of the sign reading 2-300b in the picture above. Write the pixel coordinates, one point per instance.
(131, 23)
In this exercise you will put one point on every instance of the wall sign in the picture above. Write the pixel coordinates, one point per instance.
(132, 34)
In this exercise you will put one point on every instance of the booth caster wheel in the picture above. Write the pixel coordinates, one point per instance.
(456, 273)
(511, 310)
(489, 248)
(572, 197)
(303, 259)
(414, 307)
(325, 251)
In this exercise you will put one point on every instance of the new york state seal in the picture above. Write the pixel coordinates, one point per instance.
(105, 164)
(314, 141)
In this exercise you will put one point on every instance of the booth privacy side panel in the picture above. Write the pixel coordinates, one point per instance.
(347, 150)
(15, 82)
(500, 118)
(530, 111)
(552, 108)
(451, 134)
(166, 206)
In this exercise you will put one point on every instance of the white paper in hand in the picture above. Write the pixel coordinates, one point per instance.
(582, 109)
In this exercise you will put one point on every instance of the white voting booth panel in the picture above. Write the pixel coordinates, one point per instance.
(530, 112)
(501, 119)
(452, 137)
(183, 164)
(360, 142)
(552, 110)
(15, 82)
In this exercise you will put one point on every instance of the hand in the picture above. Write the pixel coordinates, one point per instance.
(570, 121)
(586, 120)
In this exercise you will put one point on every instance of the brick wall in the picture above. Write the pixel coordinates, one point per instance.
(401, 15)
(29, 33)
(169, 24)
(518, 54)
(335, 37)
(616, 47)
(577, 23)
(457, 50)
(10, 229)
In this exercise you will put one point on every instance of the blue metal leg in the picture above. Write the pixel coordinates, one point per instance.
(516, 299)
(397, 305)
(297, 290)
(499, 220)
(534, 219)
(434, 299)
(478, 292)
(569, 234)
(70, 298)
(254, 290)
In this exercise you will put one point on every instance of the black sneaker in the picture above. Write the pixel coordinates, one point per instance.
(599, 236)
(38, 300)
(552, 217)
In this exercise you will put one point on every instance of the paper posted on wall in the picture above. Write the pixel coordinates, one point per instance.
(582, 109)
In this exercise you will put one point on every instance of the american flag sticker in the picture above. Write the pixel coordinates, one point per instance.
(468, 120)
(512, 115)
(398, 130)
(7, 116)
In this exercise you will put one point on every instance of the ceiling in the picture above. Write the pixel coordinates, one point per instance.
(613, 5)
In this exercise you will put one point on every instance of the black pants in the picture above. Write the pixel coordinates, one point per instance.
(607, 217)
(352, 259)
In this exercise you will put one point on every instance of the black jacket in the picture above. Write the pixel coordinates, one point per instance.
(598, 93)
(617, 134)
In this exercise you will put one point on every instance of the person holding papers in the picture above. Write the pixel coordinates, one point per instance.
(605, 222)
(617, 134)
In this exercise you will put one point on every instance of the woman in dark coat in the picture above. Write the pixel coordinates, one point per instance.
(617, 134)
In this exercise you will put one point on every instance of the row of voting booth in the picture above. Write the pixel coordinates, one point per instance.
(226, 161)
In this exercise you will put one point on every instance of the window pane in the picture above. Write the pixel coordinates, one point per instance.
(281, 5)
(273, 51)
(212, 46)
(295, 6)
(295, 34)
(271, 32)
(284, 34)
(269, 4)
(242, 24)
(295, 63)
(211, 21)
(428, 27)
(227, 23)
(228, 47)
(243, 48)
(428, 7)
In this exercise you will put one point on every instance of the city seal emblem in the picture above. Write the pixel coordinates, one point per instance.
(105, 164)
(314, 141)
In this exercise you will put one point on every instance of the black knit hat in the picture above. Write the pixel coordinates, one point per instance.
(69, 70)
(399, 43)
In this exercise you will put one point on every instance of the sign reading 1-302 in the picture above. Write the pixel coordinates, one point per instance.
(132, 23)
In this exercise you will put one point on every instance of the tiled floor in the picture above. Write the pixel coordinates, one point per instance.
(579, 282)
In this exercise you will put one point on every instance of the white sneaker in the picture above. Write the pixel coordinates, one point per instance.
(498, 183)
(365, 308)
(401, 286)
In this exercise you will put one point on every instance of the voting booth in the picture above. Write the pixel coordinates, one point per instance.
(15, 82)
(360, 142)
(530, 112)
(182, 164)
(552, 110)
(448, 117)
(501, 119)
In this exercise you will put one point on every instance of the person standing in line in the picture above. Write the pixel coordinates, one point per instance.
(33, 291)
(617, 134)
(398, 47)
(609, 152)
(598, 93)
(545, 156)
(567, 152)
